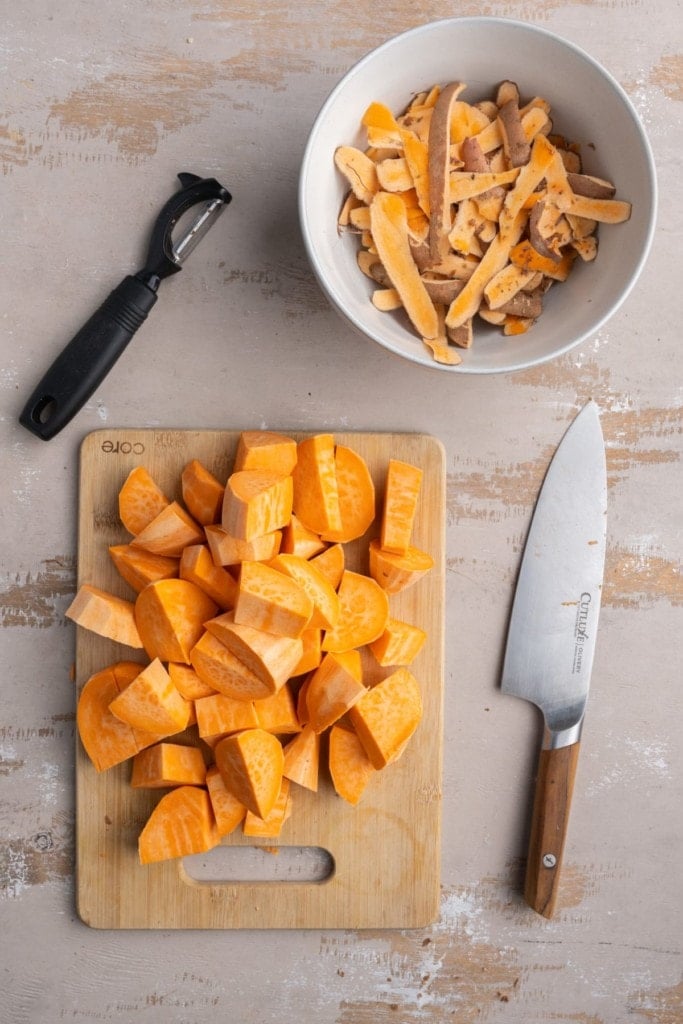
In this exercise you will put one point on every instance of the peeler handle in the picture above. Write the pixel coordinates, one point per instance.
(88, 357)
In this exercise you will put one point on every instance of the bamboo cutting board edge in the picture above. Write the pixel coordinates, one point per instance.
(386, 850)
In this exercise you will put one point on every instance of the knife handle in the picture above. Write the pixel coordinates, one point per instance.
(552, 800)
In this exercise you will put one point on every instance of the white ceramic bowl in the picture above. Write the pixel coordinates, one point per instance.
(587, 106)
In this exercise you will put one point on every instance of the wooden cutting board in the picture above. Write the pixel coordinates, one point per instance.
(385, 852)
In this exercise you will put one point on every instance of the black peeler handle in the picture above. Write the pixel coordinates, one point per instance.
(86, 360)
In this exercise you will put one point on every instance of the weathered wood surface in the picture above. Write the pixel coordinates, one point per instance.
(102, 105)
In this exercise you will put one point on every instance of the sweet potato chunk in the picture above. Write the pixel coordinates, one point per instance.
(316, 498)
(182, 823)
(363, 613)
(168, 764)
(170, 616)
(402, 491)
(169, 532)
(202, 493)
(256, 502)
(315, 584)
(265, 450)
(277, 713)
(387, 716)
(106, 739)
(152, 703)
(356, 492)
(138, 567)
(227, 809)
(271, 601)
(270, 826)
(333, 688)
(105, 614)
(272, 658)
(198, 567)
(218, 716)
(396, 572)
(302, 759)
(330, 562)
(140, 500)
(220, 669)
(227, 550)
(350, 767)
(399, 644)
(251, 764)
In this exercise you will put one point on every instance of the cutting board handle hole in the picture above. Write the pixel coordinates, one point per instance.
(234, 865)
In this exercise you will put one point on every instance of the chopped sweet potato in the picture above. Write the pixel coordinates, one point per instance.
(350, 767)
(219, 716)
(168, 764)
(187, 682)
(251, 765)
(271, 601)
(170, 616)
(202, 493)
(256, 502)
(227, 809)
(316, 498)
(138, 567)
(169, 532)
(270, 826)
(387, 715)
(302, 759)
(311, 640)
(334, 687)
(223, 671)
(399, 644)
(265, 450)
(297, 539)
(270, 657)
(401, 493)
(315, 584)
(182, 823)
(140, 500)
(228, 550)
(198, 567)
(363, 613)
(152, 703)
(356, 492)
(277, 713)
(395, 573)
(106, 739)
(330, 562)
(105, 614)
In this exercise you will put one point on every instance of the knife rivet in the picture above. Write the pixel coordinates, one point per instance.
(549, 860)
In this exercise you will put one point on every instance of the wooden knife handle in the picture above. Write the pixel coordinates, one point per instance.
(552, 800)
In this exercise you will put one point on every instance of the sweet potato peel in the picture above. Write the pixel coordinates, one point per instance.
(448, 178)
(252, 679)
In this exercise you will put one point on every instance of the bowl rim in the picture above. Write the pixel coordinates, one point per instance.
(651, 195)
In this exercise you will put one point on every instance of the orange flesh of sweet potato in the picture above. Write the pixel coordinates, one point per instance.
(316, 499)
(218, 716)
(228, 550)
(265, 450)
(389, 226)
(333, 688)
(152, 703)
(170, 616)
(302, 759)
(140, 500)
(363, 613)
(182, 823)
(124, 673)
(277, 713)
(224, 672)
(106, 739)
(299, 540)
(251, 764)
(402, 491)
(317, 586)
(187, 682)
(271, 825)
(103, 613)
(197, 566)
(395, 573)
(169, 532)
(256, 502)
(227, 809)
(312, 654)
(271, 601)
(271, 658)
(399, 644)
(168, 764)
(138, 567)
(356, 492)
(202, 493)
(387, 716)
(350, 767)
(331, 563)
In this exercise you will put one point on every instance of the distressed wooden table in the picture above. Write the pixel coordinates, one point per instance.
(102, 106)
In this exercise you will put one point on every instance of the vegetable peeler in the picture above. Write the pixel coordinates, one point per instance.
(84, 363)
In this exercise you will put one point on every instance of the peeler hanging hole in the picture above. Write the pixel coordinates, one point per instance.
(43, 410)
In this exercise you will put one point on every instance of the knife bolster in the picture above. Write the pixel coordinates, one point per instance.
(553, 739)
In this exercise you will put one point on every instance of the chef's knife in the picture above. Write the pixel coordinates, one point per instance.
(552, 634)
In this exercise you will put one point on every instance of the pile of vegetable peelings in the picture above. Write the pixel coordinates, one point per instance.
(253, 630)
(469, 210)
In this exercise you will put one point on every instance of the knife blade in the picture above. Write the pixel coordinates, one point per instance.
(552, 634)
